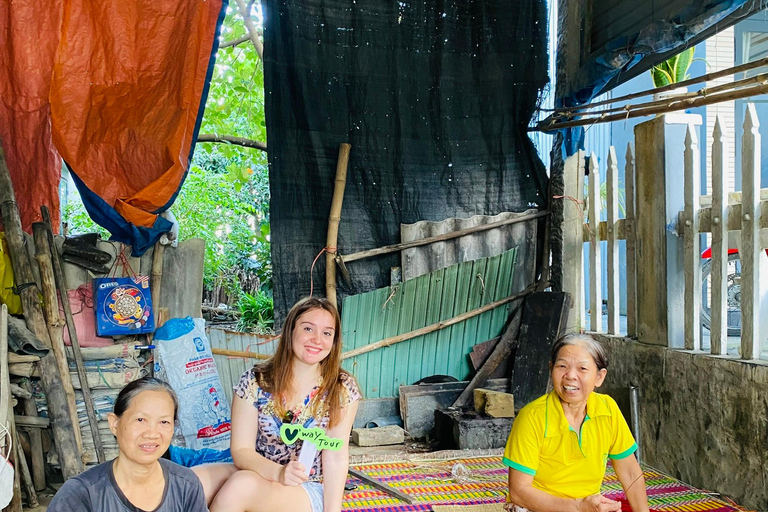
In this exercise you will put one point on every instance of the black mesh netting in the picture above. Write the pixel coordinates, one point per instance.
(435, 98)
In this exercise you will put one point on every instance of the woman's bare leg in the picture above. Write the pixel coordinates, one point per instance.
(246, 491)
(213, 476)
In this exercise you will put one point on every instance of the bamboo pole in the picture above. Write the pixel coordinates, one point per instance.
(51, 310)
(238, 353)
(35, 441)
(333, 222)
(439, 238)
(674, 105)
(697, 80)
(58, 408)
(436, 326)
(73, 339)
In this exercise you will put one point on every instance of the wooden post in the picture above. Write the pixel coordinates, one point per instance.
(157, 276)
(6, 410)
(595, 268)
(58, 407)
(51, 309)
(750, 250)
(691, 250)
(630, 227)
(333, 223)
(573, 239)
(35, 441)
(612, 200)
(79, 363)
(718, 276)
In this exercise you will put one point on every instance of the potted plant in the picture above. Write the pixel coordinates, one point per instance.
(671, 71)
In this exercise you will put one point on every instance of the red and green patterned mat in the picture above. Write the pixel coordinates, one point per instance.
(484, 480)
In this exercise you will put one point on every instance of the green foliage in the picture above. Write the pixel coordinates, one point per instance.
(673, 70)
(257, 313)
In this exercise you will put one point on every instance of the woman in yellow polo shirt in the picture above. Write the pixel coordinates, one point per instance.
(560, 443)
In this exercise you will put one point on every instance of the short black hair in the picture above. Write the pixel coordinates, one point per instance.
(129, 392)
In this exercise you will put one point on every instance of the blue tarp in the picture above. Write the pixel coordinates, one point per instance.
(623, 53)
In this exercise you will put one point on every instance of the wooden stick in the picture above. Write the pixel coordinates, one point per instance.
(238, 353)
(674, 105)
(436, 326)
(31, 421)
(500, 352)
(697, 80)
(73, 339)
(382, 486)
(14, 457)
(35, 441)
(333, 222)
(55, 323)
(439, 238)
(58, 408)
(26, 477)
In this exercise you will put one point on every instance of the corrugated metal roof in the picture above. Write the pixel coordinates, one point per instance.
(421, 260)
(416, 303)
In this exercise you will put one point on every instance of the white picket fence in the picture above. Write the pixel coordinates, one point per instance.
(716, 214)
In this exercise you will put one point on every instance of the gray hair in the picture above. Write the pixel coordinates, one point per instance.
(129, 392)
(591, 345)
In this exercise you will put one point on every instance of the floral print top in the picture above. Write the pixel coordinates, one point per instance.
(268, 442)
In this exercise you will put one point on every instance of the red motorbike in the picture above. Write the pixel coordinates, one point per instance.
(733, 290)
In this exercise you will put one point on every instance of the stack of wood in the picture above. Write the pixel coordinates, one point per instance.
(43, 323)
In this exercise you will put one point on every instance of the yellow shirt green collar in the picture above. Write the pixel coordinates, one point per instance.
(556, 424)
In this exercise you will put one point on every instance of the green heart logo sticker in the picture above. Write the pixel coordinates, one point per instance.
(291, 433)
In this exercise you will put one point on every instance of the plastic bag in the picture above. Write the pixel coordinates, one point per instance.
(184, 359)
(7, 295)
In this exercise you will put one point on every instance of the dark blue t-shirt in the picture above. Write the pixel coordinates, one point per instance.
(96, 491)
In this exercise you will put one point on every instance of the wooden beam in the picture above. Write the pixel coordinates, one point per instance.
(718, 276)
(73, 339)
(595, 261)
(750, 250)
(238, 353)
(691, 249)
(631, 244)
(55, 322)
(612, 200)
(500, 353)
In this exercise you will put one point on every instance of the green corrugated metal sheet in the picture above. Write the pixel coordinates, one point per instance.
(440, 295)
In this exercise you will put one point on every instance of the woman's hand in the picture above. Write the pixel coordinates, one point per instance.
(598, 503)
(292, 474)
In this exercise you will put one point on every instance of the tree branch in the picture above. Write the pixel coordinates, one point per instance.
(230, 139)
(252, 32)
(234, 42)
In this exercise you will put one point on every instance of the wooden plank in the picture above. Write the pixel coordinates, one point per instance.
(691, 251)
(543, 322)
(749, 252)
(719, 263)
(573, 241)
(630, 213)
(595, 270)
(500, 353)
(612, 200)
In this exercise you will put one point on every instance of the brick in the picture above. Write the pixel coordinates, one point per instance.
(379, 436)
